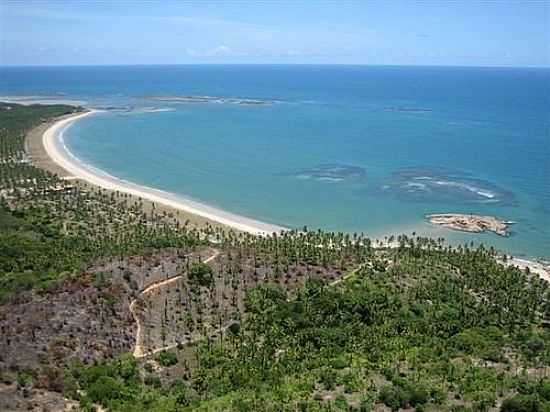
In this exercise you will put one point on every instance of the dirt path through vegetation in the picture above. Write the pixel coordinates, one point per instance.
(138, 350)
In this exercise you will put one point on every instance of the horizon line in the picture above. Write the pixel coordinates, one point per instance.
(9, 65)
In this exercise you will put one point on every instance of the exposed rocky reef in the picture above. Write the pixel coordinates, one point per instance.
(470, 223)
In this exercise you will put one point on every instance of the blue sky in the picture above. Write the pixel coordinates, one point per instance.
(495, 33)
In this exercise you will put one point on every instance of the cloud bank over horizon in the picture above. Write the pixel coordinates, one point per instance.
(348, 32)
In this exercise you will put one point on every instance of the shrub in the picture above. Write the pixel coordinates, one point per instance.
(418, 395)
(106, 388)
(264, 299)
(394, 397)
(341, 404)
(328, 378)
(339, 363)
(181, 392)
(404, 393)
(365, 405)
(201, 273)
(388, 373)
(543, 389)
(165, 358)
(152, 380)
(469, 341)
(521, 403)
(234, 328)
(483, 401)
(351, 382)
(23, 380)
(127, 275)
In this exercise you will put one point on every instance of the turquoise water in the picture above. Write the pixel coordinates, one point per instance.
(356, 149)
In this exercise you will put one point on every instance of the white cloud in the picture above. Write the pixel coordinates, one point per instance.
(221, 50)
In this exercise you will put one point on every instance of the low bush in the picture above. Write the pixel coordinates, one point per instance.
(201, 273)
(165, 358)
(521, 403)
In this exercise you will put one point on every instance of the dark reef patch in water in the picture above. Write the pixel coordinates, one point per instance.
(439, 184)
(211, 99)
(332, 173)
(407, 109)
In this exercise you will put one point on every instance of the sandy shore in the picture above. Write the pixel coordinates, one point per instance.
(539, 268)
(52, 141)
(45, 147)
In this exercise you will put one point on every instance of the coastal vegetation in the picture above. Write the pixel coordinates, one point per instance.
(228, 321)
(80, 223)
(418, 327)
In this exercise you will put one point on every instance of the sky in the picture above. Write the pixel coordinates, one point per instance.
(393, 32)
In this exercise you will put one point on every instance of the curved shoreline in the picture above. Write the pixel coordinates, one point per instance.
(62, 159)
(52, 140)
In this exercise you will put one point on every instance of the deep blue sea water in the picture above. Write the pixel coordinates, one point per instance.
(346, 148)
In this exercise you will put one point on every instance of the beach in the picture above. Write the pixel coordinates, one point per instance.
(327, 153)
(54, 148)
(46, 149)
(542, 269)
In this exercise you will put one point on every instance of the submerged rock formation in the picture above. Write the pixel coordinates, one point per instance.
(470, 223)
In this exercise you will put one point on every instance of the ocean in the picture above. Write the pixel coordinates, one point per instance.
(369, 149)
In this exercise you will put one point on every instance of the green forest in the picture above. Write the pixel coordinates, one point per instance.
(297, 321)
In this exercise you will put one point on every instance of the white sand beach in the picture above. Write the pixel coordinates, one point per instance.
(52, 140)
(539, 268)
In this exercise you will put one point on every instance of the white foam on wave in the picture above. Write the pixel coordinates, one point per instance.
(476, 190)
(330, 179)
(146, 110)
(159, 109)
(485, 194)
